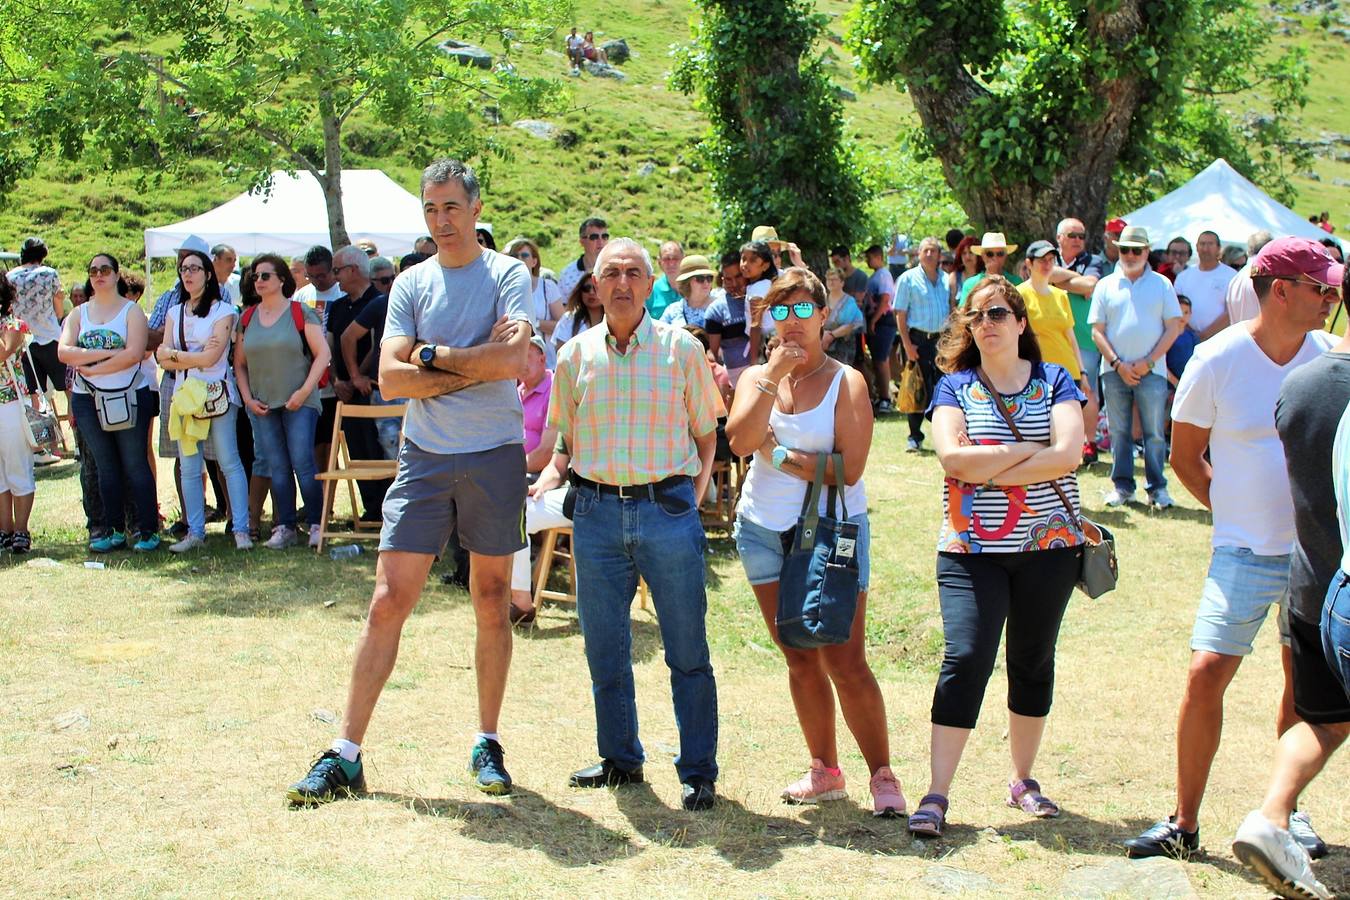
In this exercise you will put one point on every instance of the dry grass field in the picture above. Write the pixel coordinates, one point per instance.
(154, 712)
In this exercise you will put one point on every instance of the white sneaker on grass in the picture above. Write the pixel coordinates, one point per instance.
(1117, 497)
(1272, 853)
(315, 536)
(191, 542)
(1161, 499)
(242, 541)
(282, 537)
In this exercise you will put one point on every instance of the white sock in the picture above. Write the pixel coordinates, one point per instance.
(489, 736)
(346, 749)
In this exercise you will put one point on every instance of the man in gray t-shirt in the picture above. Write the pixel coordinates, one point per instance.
(455, 340)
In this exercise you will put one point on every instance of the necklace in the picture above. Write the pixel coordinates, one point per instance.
(797, 381)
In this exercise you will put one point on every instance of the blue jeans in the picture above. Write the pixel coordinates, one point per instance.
(288, 443)
(1336, 628)
(260, 469)
(224, 440)
(662, 540)
(122, 461)
(1151, 396)
(386, 428)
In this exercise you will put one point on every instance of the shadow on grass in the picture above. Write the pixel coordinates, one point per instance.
(646, 633)
(526, 821)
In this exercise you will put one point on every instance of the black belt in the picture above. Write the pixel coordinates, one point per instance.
(632, 491)
(928, 334)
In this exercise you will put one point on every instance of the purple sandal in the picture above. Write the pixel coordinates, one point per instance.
(926, 822)
(1026, 795)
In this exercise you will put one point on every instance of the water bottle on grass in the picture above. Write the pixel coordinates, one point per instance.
(345, 552)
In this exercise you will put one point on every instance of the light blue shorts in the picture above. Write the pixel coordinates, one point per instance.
(1239, 590)
(761, 550)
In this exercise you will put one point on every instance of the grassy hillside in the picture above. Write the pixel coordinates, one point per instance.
(622, 130)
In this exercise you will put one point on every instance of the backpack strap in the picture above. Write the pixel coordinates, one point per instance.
(298, 317)
(247, 317)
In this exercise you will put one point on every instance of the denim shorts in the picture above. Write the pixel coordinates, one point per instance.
(1336, 629)
(761, 550)
(1240, 588)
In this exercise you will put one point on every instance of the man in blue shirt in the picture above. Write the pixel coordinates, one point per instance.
(922, 304)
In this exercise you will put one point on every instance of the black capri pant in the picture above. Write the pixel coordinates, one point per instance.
(978, 593)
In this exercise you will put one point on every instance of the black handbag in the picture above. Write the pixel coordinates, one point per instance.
(818, 583)
(1101, 569)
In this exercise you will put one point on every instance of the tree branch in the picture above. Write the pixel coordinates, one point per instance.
(445, 26)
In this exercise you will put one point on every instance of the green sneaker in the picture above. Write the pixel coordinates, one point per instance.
(486, 762)
(108, 542)
(146, 542)
(329, 778)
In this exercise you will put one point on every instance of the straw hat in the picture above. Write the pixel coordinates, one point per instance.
(1133, 236)
(994, 240)
(766, 233)
(694, 265)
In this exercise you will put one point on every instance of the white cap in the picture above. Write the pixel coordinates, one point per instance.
(192, 242)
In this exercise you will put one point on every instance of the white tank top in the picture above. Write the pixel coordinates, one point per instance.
(773, 499)
(110, 335)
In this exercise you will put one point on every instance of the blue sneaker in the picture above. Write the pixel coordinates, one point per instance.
(329, 778)
(486, 762)
(108, 542)
(146, 542)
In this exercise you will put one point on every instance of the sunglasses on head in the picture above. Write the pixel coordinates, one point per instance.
(104, 270)
(1132, 251)
(803, 310)
(995, 314)
(995, 254)
(598, 236)
(190, 269)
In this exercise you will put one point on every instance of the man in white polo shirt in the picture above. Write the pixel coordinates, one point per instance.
(1205, 285)
(1135, 318)
(1227, 451)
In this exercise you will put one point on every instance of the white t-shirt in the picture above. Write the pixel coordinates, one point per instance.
(197, 331)
(1206, 291)
(568, 327)
(760, 289)
(545, 293)
(1230, 386)
(1240, 298)
(1340, 477)
(310, 296)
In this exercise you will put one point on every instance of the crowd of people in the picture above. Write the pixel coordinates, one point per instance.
(600, 399)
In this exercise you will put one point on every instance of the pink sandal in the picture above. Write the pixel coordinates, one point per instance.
(1026, 795)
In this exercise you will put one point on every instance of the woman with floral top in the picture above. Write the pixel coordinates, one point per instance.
(17, 487)
(1010, 551)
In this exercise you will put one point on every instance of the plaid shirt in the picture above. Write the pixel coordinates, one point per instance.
(631, 418)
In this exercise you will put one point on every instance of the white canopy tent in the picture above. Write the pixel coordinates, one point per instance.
(1219, 199)
(293, 218)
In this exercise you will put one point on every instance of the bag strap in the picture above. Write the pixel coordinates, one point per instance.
(997, 399)
(810, 515)
(247, 316)
(838, 459)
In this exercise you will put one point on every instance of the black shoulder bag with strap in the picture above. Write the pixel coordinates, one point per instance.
(1100, 569)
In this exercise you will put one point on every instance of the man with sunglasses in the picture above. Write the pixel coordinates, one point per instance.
(1077, 273)
(1135, 317)
(664, 292)
(1226, 449)
(594, 235)
(994, 250)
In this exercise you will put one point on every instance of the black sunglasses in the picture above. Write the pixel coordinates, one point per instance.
(1080, 235)
(1132, 251)
(995, 254)
(264, 276)
(104, 270)
(383, 279)
(803, 310)
(598, 237)
(996, 314)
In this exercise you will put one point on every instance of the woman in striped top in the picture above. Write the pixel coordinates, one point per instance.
(1009, 551)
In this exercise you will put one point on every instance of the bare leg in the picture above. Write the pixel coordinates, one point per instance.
(521, 600)
(490, 590)
(1024, 740)
(945, 749)
(1199, 726)
(1286, 717)
(399, 578)
(23, 506)
(257, 495)
(859, 694)
(6, 512)
(1302, 753)
(812, 695)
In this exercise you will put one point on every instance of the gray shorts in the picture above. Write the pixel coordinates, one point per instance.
(482, 494)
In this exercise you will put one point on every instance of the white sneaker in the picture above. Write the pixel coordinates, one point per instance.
(282, 537)
(191, 542)
(1161, 499)
(243, 542)
(1118, 497)
(315, 536)
(1273, 854)
(45, 458)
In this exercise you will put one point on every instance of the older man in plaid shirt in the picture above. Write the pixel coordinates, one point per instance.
(635, 403)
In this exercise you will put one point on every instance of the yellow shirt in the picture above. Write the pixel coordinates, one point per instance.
(1050, 318)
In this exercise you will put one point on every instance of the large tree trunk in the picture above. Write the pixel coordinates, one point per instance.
(332, 175)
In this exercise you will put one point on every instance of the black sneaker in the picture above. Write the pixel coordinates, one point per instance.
(487, 763)
(698, 794)
(178, 530)
(329, 778)
(1164, 839)
(6, 540)
(21, 542)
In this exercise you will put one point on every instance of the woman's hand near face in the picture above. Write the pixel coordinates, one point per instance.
(784, 358)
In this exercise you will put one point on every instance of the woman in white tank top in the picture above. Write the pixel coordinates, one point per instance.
(797, 405)
(104, 341)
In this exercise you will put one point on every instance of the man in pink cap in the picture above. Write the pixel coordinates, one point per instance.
(1226, 404)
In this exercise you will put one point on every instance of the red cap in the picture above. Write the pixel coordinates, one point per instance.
(1291, 257)
(1116, 225)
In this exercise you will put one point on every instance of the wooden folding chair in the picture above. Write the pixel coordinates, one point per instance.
(341, 467)
(719, 504)
(552, 551)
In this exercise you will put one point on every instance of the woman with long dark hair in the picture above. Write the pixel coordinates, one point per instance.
(17, 487)
(1010, 547)
(584, 310)
(278, 366)
(104, 341)
(197, 336)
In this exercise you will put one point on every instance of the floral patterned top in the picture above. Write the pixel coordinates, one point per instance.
(1008, 519)
(11, 379)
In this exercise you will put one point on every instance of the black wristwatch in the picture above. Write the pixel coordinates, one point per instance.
(427, 356)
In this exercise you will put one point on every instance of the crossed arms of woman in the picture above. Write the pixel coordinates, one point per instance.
(1017, 463)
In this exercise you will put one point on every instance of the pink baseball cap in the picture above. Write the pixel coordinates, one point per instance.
(1290, 257)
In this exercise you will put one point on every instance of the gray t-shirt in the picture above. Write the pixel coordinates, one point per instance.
(278, 362)
(1311, 402)
(457, 308)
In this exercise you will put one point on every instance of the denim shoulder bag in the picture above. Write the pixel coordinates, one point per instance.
(1100, 568)
(818, 584)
